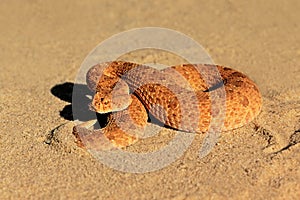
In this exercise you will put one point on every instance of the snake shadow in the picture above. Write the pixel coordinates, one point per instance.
(77, 97)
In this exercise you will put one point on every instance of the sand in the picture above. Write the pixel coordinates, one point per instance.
(43, 44)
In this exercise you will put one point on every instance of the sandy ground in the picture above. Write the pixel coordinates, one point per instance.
(43, 44)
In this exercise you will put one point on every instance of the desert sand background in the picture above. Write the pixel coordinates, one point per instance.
(43, 44)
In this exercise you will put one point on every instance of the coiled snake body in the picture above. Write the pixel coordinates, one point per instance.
(186, 97)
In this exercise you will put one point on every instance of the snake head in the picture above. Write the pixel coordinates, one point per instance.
(111, 100)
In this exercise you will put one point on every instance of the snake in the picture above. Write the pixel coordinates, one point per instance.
(186, 97)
